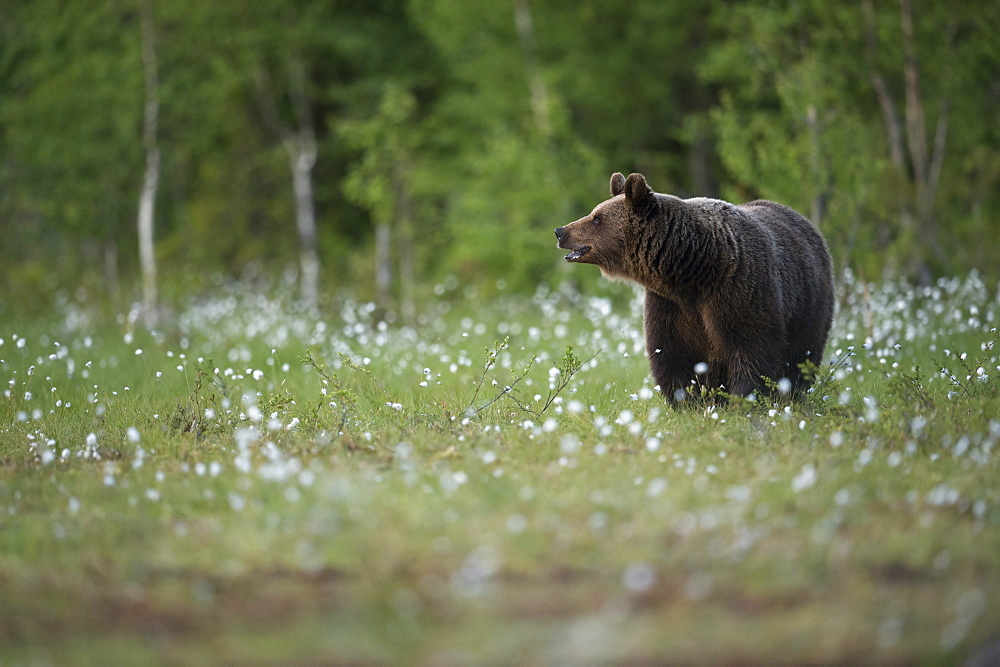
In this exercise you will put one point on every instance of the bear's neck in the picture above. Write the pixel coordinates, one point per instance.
(685, 248)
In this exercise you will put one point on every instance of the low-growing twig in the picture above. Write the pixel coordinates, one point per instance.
(491, 358)
(340, 394)
(509, 388)
(350, 364)
(567, 367)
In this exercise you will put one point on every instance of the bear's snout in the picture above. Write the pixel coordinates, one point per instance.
(559, 232)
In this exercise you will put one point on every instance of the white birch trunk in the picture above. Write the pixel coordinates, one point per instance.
(302, 161)
(147, 256)
(404, 241)
(301, 147)
(536, 84)
(151, 179)
(383, 264)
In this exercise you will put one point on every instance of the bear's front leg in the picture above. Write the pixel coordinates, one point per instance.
(671, 358)
(672, 379)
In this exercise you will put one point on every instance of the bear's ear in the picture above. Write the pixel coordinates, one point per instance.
(638, 194)
(617, 184)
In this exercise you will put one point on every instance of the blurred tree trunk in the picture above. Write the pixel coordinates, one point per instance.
(539, 91)
(383, 264)
(404, 232)
(701, 149)
(916, 163)
(111, 269)
(151, 179)
(300, 147)
(382, 182)
(700, 164)
(302, 159)
(821, 177)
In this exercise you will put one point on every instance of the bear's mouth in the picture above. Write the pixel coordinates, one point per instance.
(577, 254)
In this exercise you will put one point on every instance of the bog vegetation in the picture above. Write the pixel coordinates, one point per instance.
(292, 371)
(387, 145)
(261, 482)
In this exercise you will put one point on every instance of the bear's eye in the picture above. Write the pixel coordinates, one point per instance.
(597, 220)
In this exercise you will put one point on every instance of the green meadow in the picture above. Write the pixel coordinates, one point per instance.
(497, 482)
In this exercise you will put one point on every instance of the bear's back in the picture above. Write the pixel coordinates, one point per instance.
(796, 239)
(802, 261)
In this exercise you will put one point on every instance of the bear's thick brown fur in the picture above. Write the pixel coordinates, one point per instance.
(747, 289)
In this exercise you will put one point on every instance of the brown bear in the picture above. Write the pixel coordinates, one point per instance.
(734, 293)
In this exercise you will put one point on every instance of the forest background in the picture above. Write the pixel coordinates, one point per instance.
(386, 147)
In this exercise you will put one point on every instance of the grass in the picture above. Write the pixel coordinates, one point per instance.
(256, 483)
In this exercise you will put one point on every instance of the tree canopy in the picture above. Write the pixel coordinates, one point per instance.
(451, 140)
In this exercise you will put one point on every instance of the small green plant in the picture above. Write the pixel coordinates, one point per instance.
(189, 415)
(568, 366)
(911, 388)
(490, 361)
(333, 393)
(389, 400)
(975, 380)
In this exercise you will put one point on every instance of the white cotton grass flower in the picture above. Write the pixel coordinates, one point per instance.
(699, 586)
(638, 577)
(656, 487)
(805, 479)
(625, 417)
(871, 410)
(569, 444)
(516, 523)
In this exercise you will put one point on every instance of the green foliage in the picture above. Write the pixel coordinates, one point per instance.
(472, 134)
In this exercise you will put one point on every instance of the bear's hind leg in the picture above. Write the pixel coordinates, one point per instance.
(799, 358)
(762, 376)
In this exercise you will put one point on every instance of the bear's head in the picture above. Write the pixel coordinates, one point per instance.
(607, 237)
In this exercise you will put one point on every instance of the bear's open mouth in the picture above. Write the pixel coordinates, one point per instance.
(577, 254)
